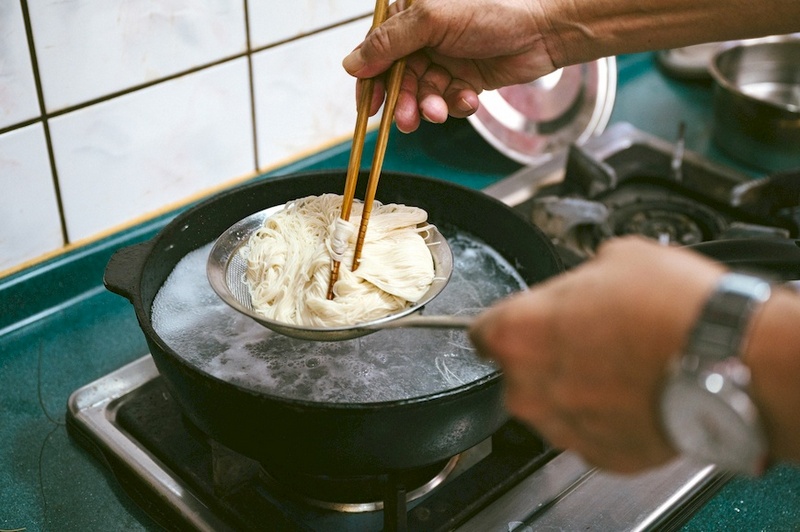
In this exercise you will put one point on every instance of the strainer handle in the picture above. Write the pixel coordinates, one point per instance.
(430, 322)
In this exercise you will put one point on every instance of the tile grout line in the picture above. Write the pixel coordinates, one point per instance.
(251, 84)
(44, 119)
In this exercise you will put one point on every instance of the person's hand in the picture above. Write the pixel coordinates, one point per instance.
(455, 50)
(458, 48)
(584, 354)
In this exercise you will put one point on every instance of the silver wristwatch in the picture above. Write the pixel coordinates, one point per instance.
(706, 409)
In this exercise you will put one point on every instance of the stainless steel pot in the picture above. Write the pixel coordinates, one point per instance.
(757, 101)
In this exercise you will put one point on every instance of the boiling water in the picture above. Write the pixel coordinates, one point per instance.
(383, 366)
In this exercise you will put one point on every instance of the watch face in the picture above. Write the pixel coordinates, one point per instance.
(711, 420)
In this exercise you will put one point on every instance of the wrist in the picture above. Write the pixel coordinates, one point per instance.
(772, 356)
(586, 31)
(547, 22)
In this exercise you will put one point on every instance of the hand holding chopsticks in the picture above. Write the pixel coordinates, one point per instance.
(395, 78)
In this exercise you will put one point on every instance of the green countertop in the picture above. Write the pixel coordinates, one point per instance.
(60, 329)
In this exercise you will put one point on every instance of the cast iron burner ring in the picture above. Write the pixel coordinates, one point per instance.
(357, 493)
(672, 220)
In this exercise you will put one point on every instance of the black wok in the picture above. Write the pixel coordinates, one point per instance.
(318, 437)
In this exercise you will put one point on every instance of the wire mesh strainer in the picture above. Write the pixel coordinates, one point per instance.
(226, 268)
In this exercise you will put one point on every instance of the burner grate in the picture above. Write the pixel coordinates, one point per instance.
(626, 182)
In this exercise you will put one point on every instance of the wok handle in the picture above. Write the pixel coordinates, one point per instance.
(779, 257)
(124, 269)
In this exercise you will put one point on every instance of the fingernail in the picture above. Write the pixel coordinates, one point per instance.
(464, 106)
(353, 62)
(428, 118)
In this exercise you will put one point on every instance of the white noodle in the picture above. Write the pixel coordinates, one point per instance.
(289, 263)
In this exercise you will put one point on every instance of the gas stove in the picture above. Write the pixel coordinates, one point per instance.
(623, 181)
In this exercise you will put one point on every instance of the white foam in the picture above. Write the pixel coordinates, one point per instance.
(383, 366)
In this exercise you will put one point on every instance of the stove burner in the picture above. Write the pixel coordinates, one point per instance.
(357, 493)
(627, 182)
(657, 214)
(667, 224)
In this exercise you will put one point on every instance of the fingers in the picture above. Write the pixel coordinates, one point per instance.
(578, 387)
(462, 101)
(440, 95)
(406, 113)
(395, 38)
(428, 92)
(618, 439)
(378, 96)
(432, 86)
(378, 88)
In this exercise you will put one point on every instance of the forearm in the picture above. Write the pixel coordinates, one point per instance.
(582, 30)
(773, 355)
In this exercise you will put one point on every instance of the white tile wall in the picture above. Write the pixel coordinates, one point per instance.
(29, 222)
(18, 101)
(303, 95)
(272, 22)
(89, 48)
(148, 104)
(134, 154)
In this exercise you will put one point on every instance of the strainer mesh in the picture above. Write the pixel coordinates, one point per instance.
(234, 279)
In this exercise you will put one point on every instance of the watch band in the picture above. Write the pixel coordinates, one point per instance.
(707, 410)
(721, 331)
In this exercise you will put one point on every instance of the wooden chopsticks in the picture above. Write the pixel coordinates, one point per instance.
(395, 77)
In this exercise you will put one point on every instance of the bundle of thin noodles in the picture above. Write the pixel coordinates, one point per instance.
(289, 263)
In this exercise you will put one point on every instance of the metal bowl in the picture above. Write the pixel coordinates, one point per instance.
(757, 101)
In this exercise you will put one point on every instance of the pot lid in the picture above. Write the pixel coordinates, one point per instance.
(532, 121)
